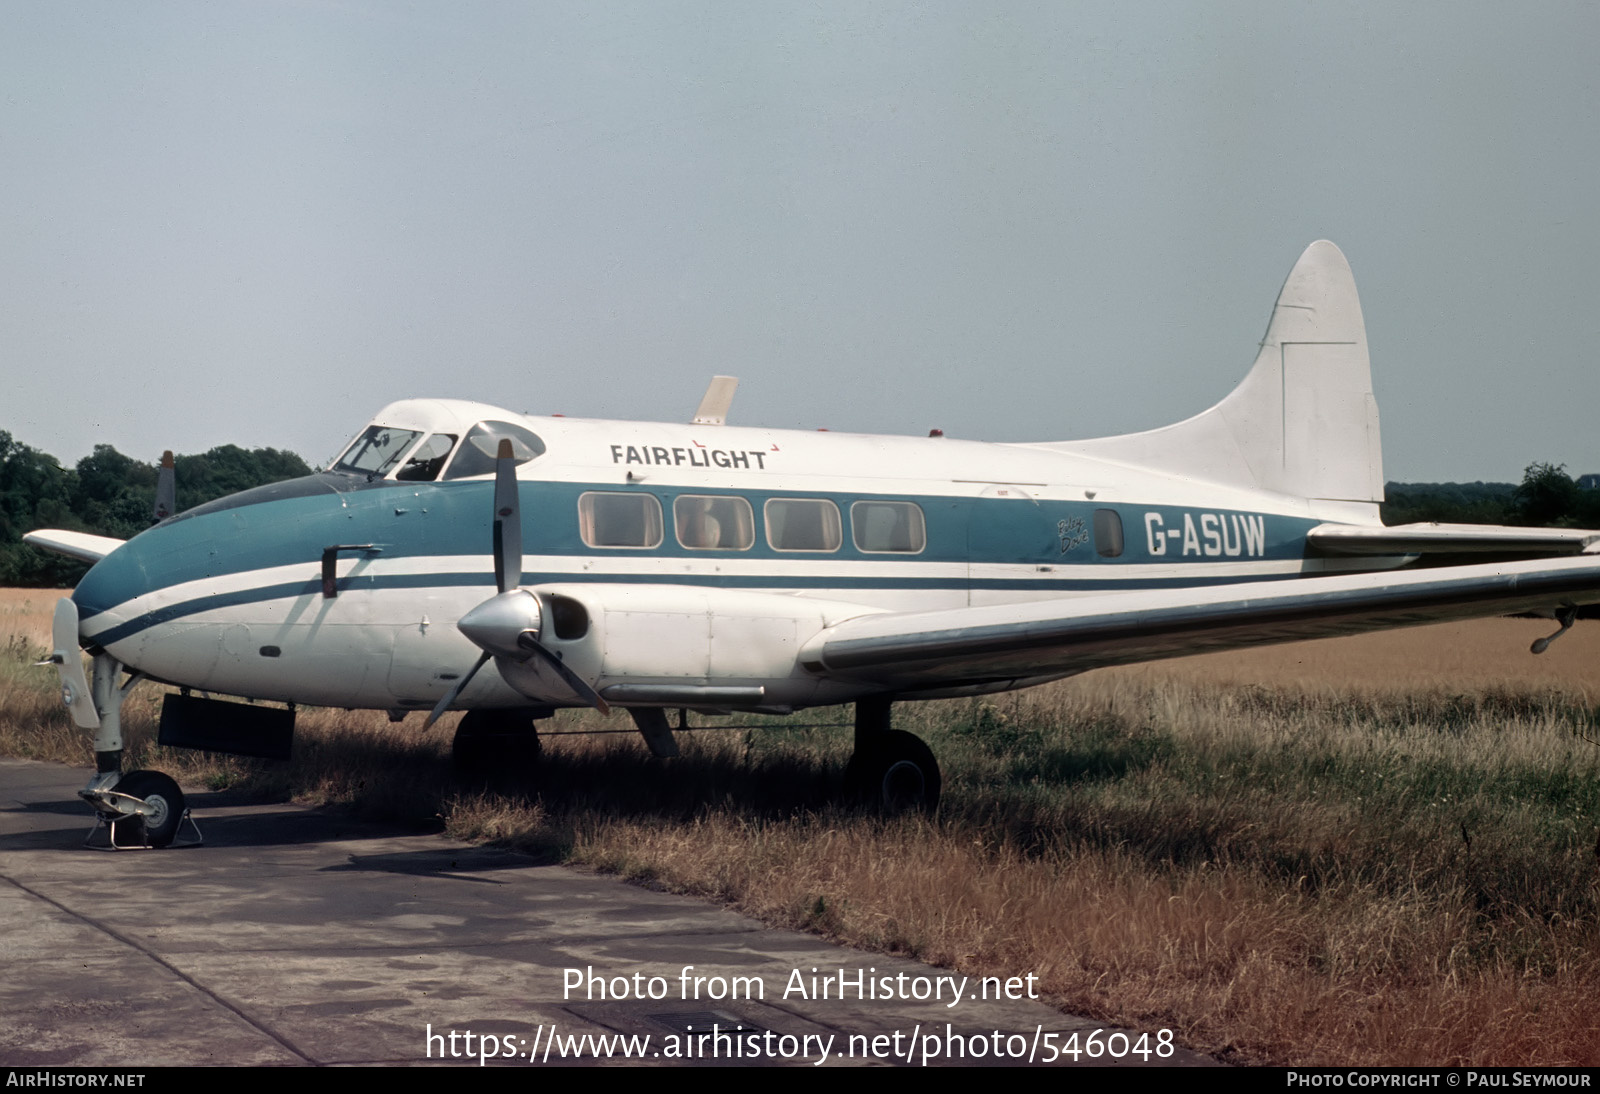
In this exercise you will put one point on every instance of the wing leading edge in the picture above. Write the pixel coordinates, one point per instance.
(972, 646)
(79, 545)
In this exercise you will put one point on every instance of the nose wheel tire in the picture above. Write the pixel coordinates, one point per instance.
(163, 798)
(895, 773)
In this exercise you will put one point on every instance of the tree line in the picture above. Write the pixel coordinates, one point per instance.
(1547, 497)
(110, 494)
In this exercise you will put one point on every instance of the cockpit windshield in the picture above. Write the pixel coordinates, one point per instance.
(427, 459)
(374, 452)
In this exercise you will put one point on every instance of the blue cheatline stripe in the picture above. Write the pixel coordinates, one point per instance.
(313, 587)
(290, 526)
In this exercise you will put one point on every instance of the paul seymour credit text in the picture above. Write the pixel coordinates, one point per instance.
(714, 1038)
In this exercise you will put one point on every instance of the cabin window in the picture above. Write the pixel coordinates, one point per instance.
(709, 523)
(620, 520)
(427, 460)
(1107, 533)
(894, 526)
(803, 524)
(376, 450)
(478, 452)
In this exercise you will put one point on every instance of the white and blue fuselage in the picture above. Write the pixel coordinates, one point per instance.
(229, 596)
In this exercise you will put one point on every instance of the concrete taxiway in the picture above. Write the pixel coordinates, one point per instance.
(295, 936)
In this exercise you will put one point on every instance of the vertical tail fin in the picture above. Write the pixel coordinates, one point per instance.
(1303, 421)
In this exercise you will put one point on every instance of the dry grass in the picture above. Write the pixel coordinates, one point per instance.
(1377, 850)
(1449, 657)
(25, 615)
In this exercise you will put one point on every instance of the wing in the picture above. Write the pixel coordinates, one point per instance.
(965, 647)
(79, 545)
(1450, 539)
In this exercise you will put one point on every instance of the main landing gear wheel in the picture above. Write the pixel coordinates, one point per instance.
(162, 797)
(895, 772)
(491, 745)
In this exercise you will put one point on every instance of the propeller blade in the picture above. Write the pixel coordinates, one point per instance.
(507, 520)
(577, 683)
(450, 696)
(166, 490)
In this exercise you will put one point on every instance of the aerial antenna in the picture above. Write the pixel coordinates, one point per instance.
(718, 398)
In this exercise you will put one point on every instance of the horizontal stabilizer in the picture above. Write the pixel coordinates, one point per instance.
(1449, 539)
(79, 545)
(967, 646)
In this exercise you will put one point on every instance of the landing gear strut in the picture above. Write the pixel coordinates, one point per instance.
(891, 770)
(137, 809)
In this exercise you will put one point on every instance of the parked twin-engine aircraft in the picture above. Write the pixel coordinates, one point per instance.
(651, 566)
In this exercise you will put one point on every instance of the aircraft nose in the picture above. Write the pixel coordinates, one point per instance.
(115, 580)
(128, 584)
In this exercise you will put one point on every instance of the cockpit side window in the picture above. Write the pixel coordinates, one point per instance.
(477, 453)
(428, 459)
(374, 452)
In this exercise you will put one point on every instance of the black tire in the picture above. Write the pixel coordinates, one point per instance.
(896, 773)
(161, 793)
(494, 745)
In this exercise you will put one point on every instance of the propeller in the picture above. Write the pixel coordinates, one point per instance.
(508, 624)
(166, 490)
(507, 520)
(577, 683)
(450, 696)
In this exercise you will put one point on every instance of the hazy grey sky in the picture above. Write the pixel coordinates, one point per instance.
(258, 223)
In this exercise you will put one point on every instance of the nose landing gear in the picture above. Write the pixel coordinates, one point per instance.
(135, 810)
(144, 809)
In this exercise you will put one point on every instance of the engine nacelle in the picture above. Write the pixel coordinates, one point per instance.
(676, 645)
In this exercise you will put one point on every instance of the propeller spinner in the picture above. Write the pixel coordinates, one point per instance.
(508, 625)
